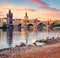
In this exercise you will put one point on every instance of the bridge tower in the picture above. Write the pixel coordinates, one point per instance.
(9, 18)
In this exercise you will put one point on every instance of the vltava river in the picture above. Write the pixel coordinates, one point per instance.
(13, 37)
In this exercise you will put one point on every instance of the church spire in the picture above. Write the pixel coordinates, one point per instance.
(26, 14)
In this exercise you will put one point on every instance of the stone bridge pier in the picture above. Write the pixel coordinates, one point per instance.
(49, 25)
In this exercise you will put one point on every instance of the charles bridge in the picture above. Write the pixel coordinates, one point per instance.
(34, 23)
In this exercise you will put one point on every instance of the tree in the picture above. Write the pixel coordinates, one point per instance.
(56, 25)
(4, 25)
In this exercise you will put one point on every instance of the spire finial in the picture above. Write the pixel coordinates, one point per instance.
(9, 11)
(26, 14)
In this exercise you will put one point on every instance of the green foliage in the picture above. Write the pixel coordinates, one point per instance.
(4, 25)
(56, 25)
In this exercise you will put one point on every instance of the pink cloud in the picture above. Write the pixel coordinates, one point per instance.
(9, 8)
(2, 15)
(1, 12)
(43, 5)
(39, 2)
(21, 9)
(28, 9)
(48, 8)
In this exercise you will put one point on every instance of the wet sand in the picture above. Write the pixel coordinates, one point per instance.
(46, 51)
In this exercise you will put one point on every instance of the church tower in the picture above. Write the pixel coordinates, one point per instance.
(26, 17)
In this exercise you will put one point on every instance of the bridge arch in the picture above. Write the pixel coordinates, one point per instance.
(30, 27)
(40, 26)
(52, 25)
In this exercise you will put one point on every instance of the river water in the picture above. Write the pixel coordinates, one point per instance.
(13, 37)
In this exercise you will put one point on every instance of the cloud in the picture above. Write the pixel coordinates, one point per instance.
(1, 12)
(39, 2)
(15, 7)
(19, 12)
(20, 9)
(2, 15)
(48, 8)
(43, 5)
(29, 9)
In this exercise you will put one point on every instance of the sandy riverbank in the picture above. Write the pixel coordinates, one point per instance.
(47, 51)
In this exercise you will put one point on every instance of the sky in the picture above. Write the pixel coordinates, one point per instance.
(40, 9)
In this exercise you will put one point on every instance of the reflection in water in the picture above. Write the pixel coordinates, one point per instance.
(40, 27)
(4, 29)
(25, 33)
(0, 33)
(19, 27)
(13, 39)
(10, 36)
